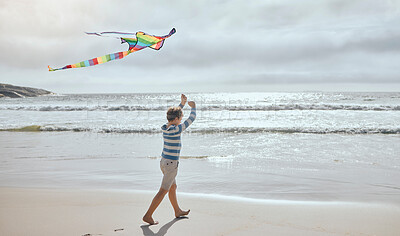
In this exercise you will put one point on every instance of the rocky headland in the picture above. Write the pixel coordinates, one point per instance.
(11, 91)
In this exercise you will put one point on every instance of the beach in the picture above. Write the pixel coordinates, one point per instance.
(251, 164)
(26, 211)
(296, 129)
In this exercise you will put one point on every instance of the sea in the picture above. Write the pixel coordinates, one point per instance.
(297, 146)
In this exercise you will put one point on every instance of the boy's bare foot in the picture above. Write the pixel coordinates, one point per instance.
(181, 213)
(149, 219)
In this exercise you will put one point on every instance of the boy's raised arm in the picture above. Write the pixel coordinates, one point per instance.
(191, 117)
(183, 101)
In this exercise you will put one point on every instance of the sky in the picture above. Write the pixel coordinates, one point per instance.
(219, 46)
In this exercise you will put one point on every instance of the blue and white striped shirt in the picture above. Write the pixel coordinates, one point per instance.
(172, 136)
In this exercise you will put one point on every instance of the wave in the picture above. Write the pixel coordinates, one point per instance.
(241, 130)
(30, 128)
(275, 107)
(190, 157)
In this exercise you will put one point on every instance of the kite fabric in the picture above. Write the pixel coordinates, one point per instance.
(137, 41)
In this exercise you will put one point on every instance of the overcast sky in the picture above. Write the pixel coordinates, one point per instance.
(235, 45)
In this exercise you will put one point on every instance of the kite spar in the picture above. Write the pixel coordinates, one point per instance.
(139, 42)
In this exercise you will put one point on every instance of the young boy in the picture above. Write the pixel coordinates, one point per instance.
(170, 158)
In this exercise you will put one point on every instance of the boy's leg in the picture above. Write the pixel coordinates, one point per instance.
(174, 202)
(153, 206)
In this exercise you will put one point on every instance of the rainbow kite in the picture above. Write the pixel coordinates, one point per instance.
(141, 41)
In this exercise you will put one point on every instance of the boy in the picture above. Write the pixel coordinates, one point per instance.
(170, 158)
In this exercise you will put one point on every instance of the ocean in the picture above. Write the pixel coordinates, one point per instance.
(309, 146)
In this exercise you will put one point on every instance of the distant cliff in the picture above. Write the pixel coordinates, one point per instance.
(11, 91)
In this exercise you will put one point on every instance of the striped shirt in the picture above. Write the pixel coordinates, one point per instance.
(172, 136)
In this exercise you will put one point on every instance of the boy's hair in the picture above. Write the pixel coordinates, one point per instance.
(174, 112)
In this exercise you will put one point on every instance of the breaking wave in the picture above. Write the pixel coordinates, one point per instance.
(242, 130)
(274, 107)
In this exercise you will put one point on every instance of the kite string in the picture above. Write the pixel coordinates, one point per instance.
(116, 35)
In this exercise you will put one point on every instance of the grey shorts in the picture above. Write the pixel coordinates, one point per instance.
(169, 169)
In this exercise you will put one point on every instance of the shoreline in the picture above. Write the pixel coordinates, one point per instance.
(38, 211)
(214, 196)
(305, 171)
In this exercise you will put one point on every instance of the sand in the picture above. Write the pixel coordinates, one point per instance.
(32, 212)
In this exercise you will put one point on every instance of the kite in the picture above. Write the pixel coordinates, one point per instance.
(141, 41)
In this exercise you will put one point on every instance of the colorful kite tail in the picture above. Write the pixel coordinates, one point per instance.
(95, 61)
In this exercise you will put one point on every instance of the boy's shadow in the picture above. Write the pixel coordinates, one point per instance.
(163, 230)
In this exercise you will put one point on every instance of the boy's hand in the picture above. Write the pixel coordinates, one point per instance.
(192, 104)
(183, 99)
